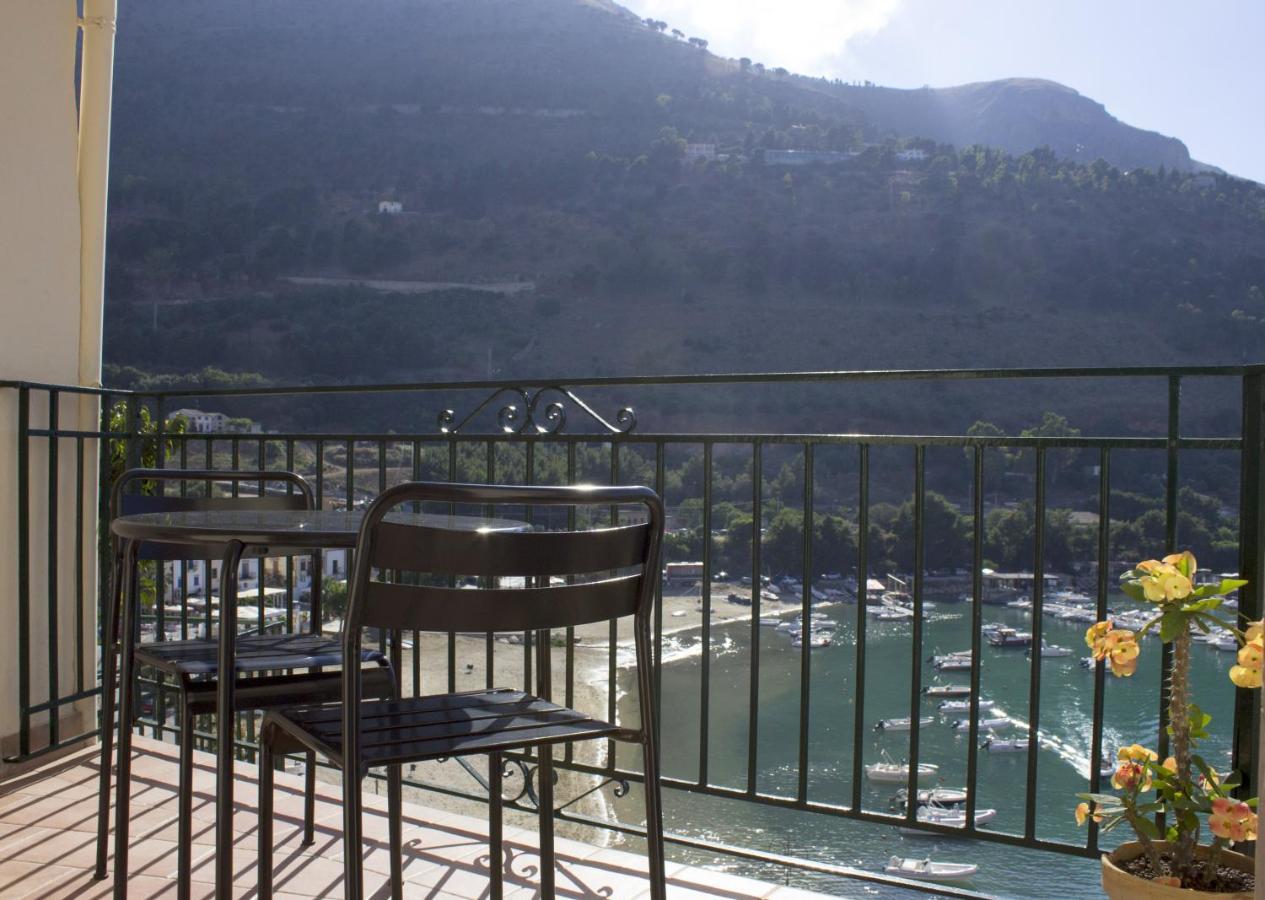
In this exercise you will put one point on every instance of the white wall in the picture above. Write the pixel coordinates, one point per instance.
(40, 297)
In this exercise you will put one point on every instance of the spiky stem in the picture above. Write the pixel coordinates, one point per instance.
(1179, 719)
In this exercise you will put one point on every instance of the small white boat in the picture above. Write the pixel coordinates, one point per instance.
(770, 621)
(926, 870)
(815, 641)
(950, 818)
(952, 706)
(954, 664)
(1007, 745)
(678, 613)
(1053, 650)
(947, 690)
(901, 724)
(984, 724)
(938, 796)
(897, 772)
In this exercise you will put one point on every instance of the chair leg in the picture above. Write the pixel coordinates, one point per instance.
(309, 799)
(353, 846)
(184, 849)
(127, 693)
(654, 817)
(107, 720)
(545, 796)
(395, 827)
(266, 765)
(496, 843)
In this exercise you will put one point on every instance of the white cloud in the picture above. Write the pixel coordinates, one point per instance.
(802, 35)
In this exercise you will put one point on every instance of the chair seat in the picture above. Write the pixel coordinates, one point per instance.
(420, 728)
(254, 653)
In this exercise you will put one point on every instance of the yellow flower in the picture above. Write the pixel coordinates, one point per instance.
(1183, 562)
(1137, 753)
(1254, 630)
(1121, 649)
(1082, 813)
(1163, 583)
(1247, 674)
(1131, 776)
(1095, 635)
(1232, 819)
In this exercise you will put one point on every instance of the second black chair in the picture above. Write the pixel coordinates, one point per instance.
(403, 579)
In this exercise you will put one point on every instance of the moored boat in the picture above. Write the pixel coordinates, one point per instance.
(927, 870)
(939, 796)
(897, 772)
(1006, 745)
(953, 706)
(947, 690)
(901, 724)
(984, 724)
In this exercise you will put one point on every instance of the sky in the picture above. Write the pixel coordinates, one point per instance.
(1195, 71)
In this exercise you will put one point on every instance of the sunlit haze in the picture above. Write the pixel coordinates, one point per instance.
(1192, 72)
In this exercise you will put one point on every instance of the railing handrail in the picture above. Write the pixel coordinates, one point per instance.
(812, 376)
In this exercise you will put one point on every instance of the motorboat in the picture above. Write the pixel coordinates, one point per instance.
(954, 664)
(927, 870)
(1052, 650)
(954, 706)
(984, 724)
(938, 796)
(1009, 637)
(770, 621)
(816, 641)
(1006, 745)
(901, 724)
(897, 772)
(947, 690)
(950, 818)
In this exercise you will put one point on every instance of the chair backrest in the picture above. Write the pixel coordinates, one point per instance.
(572, 577)
(123, 503)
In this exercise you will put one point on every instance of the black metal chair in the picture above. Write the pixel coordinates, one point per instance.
(193, 664)
(397, 568)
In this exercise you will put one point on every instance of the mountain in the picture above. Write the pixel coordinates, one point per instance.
(579, 192)
(1016, 115)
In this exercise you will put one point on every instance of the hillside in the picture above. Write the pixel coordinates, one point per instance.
(544, 143)
(1016, 115)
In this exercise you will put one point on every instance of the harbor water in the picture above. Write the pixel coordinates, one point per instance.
(1132, 707)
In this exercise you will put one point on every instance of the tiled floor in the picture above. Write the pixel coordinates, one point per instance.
(48, 827)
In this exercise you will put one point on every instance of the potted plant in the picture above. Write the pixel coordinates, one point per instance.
(1187, 791)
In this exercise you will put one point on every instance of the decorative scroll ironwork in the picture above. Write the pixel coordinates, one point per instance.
(533, 412)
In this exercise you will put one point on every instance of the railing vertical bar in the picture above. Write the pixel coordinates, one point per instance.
(806, 632)
(54, 463)
(208, 458)
(612, 639)
(1034, 678)
(863, 576)
(753, 701)
(1100, 670)
(24, 571)
(1247, 710)
(290, 467)
(452, 637)
(915, 674)
(1171, 487)
(184, 563)
(660, 476)
(80, 675)
(569, 689)
(529, 477)
(489, 656)
(159, 423)
(977, 623)
(417, 636)
(705, 679)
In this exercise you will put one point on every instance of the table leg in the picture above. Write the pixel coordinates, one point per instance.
(226, 718)
(127, 693)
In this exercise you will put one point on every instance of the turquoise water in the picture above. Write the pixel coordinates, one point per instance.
(1132, 715)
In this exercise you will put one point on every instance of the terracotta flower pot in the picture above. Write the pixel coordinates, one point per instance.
(1120, 885)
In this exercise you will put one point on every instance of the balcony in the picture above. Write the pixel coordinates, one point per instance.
(768, 741)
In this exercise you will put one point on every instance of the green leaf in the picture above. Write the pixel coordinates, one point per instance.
(1202, 605)
(1147, 827)
(1103, 800)
(1134, 590)
(1230, 584)
(1172, 623)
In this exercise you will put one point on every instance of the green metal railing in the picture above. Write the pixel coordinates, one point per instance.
(541, 418)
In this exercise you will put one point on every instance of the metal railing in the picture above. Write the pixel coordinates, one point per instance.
(511, 431)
